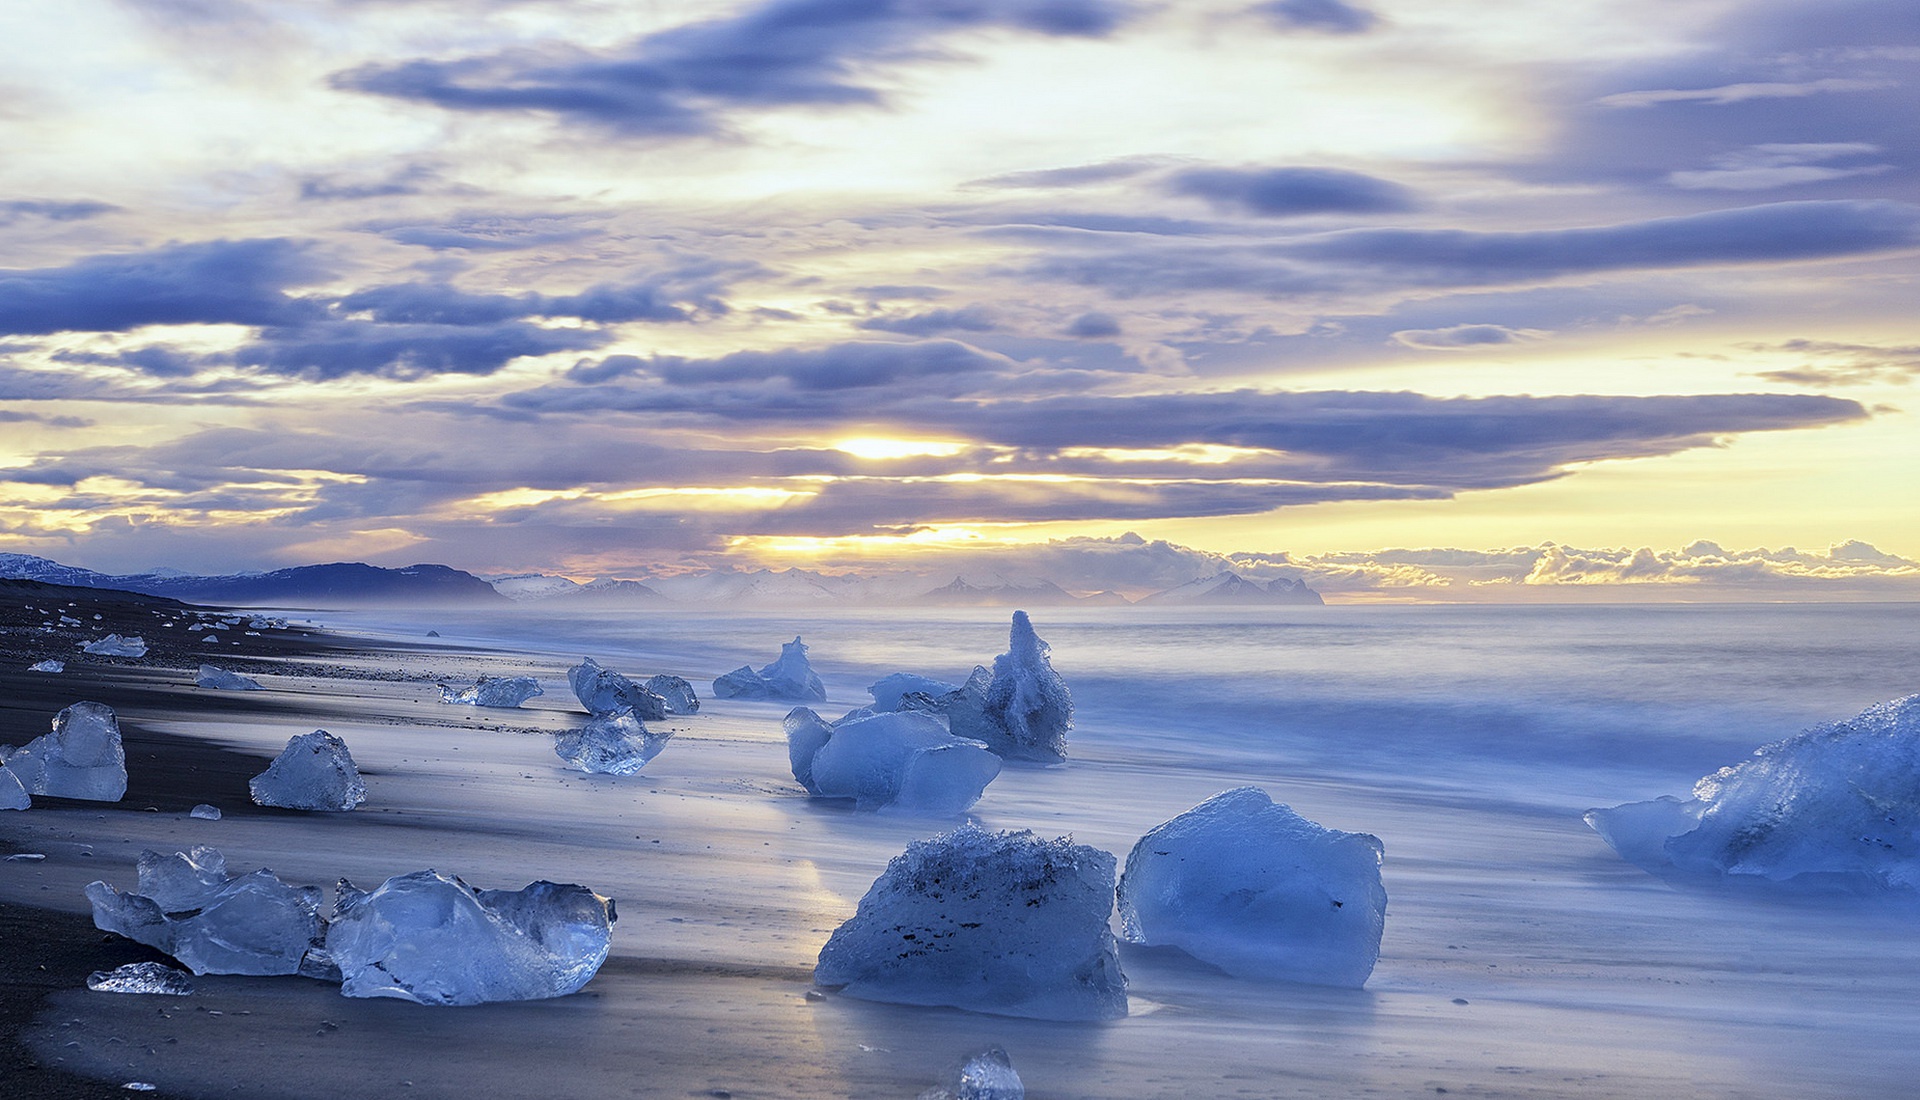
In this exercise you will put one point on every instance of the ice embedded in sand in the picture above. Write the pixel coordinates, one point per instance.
(81, 758)
(492, 691)
(431, 938)
(1250, 886)
(314, 772)
(222, 680)
(48, 665)
(113, 645)
(610, 744)
(604, 691)
(187, 906)
(676, 693)
(142, 977)
(902, 761)
(1005, 923)
(1835, 807)
(790, 677)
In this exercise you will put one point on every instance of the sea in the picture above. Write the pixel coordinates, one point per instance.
(1521, 958)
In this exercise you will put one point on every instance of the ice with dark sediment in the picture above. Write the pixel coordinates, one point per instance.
(48, 665)
(222, 680)
(113, 645)
(906, 762)
(1004, 923)
(314, 772)
(789, 678)
(890, 690)
(604, 691)
(142, 977)
(676, 692)
(81, 758)
(492, 691)
(610, 744)
(187, 906)
(1836, 808)
(1250, 886)
(431, 938)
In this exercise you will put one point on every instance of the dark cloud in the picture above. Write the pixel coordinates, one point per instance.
(681, 81)
(52, 210)
(411, 181)
(10, 416)
(1094, 326)
(841, 367)
(1291, 192)
(1462, 337)
(933, 322)
(1075, 176)
(1826, 363)
(338, 349)
(608, 303)
(1327, 16)
(211, 282)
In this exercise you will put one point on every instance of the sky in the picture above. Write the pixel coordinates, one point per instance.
(637, 288)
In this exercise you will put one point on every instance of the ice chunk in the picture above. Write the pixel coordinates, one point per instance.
(888, 691)
(48, 665)
(431, 938)
(677, 693)
(1836, 807)
(610, 744)
(1005, 923)
(901, 761)
(1028, 708)
(13, 793)
(314, 772)
(205, 812)
(222, 680)
(142, 977)
(1252, 887)
(188, 907)
(790, 677)
(807, 733)
(113, 645)
(493, 691)
(81, 758)
(603, 691)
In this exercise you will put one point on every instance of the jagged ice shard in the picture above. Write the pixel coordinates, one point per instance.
(142, 977)
(432, 939)
(81, 758)
(676, 692)
(222, 680)
(1022, 709)
(901, 761)
(113, 645)
(610, 744)
(1836, 808)
(314, 772)
(187, 906)
(790, 677)
(603, 691)
(1253, 888)
(1004, 923)
(492, 691)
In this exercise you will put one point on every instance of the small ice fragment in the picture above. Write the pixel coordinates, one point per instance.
(113, 645)
(1834, 808)
(26, 857)
(677, 693)
(314, 772)
(1252, 887)
(188, 907)
(48, 665)
(81, 758)
(604, 691)
(205, 812)
(1004, 923)
(140, 1086)
(902, 761)
(142, 977)
(221, 679)
(493, 691)
(610, 744)
(430, 938)
(790, 677)
(211, 639)
(989, 1075)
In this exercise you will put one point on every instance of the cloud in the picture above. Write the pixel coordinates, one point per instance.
(974, 318)
(1465, 337)
(16, 210)
(338, 349)
(681, 81)
(1094, 326)
(1827, 363)
(606, 303)
(213, 282)
(1741, 93)
(1291, 192)
(1079, 175)
(1327, 16)
(10, 416)
(1763, 167)
(841, 367)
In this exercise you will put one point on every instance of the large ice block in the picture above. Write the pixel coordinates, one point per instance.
(314, 772)
(81, 758)
(1005, 923)
(1252, 887)
(610, 744)
(431, 938)
(790, 677)
(188, 907)
(1027, 707)
(604, 691)
(903, 761)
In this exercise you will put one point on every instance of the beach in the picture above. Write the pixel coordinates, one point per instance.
(1522, 958)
